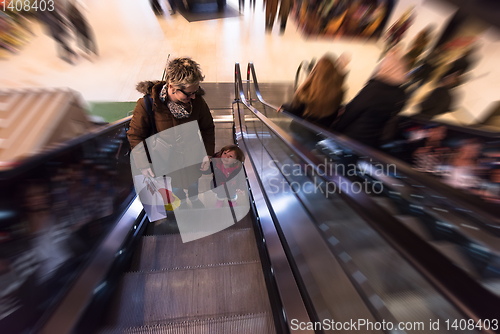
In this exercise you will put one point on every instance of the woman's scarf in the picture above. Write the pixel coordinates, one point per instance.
(178, 110)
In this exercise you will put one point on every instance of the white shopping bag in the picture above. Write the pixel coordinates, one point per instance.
(152, 192)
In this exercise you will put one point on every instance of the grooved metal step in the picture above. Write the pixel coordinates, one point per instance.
(452, 252)
(420, 308)
(168, 252)
(261, 323)
(169, 226)
(387, 271)
(416, 226)
(355, 234)
(155, 298)
(387, 204)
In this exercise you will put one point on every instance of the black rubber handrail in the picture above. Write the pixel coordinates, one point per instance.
(487, 211)
(466, 294)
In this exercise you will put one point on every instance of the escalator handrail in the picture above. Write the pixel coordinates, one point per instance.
(20, 166)
(464, 200)
(459, 288)
(292, 302)
(63, 314)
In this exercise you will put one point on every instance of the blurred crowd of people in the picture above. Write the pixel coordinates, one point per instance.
(370, 117)
(470, 164)
(66, 24)
(395, 79)
(363, 18)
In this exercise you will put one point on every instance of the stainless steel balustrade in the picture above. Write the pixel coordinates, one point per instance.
(358, 239)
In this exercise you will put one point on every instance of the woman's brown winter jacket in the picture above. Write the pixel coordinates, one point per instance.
(140, 127)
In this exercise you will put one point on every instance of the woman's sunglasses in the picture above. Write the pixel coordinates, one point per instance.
(190, 94)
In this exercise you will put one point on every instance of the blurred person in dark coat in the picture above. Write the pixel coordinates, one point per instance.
(367, 114)
(424, 72)
(463, 64)
(58, 29)
(271, 10)
(285, 8)
(439, 101)
(418, 45)
(156, 7)
(82, 29)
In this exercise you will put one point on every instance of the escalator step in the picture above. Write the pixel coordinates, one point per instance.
(169, 226)
(354, 234)
(453, 252)
(387, 204)
(387, 272)
(416, 226)
(145, 299)
(420, 308)
(167, 251)
(261, 323)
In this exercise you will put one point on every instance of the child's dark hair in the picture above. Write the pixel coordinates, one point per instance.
(240, 156)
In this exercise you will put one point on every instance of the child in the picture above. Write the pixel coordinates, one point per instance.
(226, 164)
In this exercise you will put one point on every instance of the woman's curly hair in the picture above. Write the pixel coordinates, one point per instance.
(183, 72)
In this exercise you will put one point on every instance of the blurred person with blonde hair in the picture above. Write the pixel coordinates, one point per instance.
(318, 99)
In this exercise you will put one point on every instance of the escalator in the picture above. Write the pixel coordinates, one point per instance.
(210, 285)
(456, 228)
(304, 255)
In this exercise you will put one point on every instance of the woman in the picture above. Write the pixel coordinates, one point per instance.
(176, 101)
(319, 97)
(366, 115)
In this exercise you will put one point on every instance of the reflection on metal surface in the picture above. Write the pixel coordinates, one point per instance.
(65, 318)
(368, 259)
(65, 201)
(293, 306)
